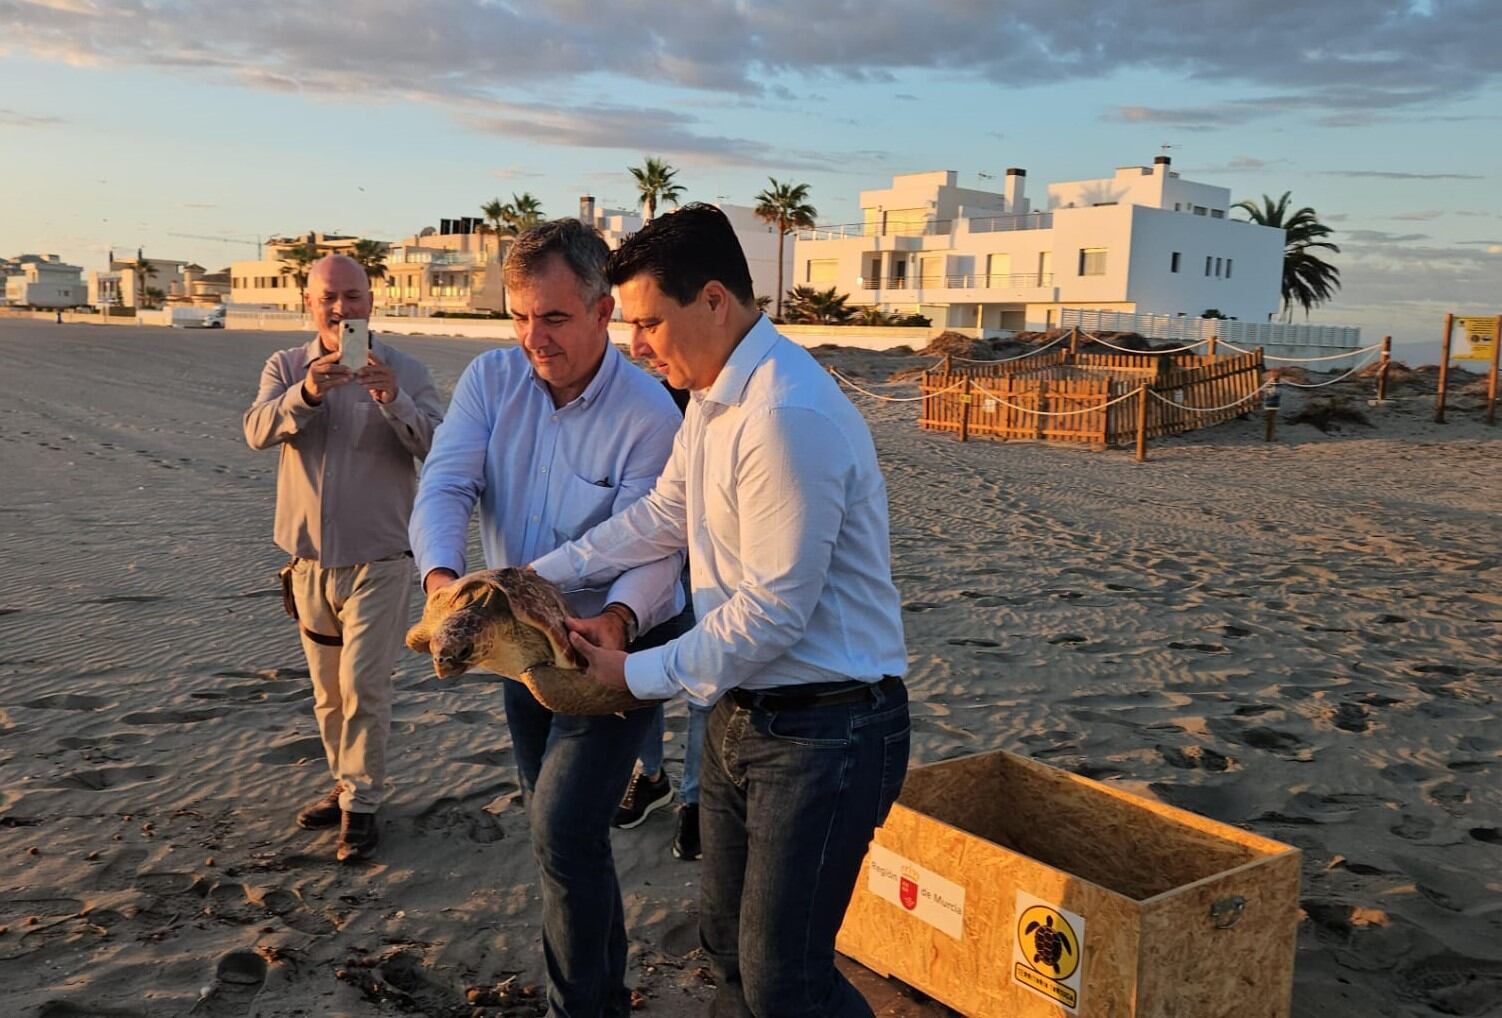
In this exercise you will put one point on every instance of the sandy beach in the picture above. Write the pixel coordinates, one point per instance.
(1303, 638)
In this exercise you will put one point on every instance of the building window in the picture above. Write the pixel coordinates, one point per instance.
(1178, 206)
(1217, 268)
(1173, 262)
(1228, 268)
(1208, 263)
(1217, 213)
(1092, 261)
(1200, 210)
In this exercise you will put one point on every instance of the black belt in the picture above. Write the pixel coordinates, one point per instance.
(817, 694)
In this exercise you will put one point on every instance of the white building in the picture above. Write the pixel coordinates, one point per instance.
(44, 281)
(758, 239)
(1141, 240)
(126, 281)
(263, 283)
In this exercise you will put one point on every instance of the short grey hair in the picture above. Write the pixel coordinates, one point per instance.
(580, 246)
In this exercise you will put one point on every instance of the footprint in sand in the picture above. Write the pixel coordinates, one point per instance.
(1195, 757)
(1453, 984)
(289, 907)
(683, 938)
(1487, 835)
(1412, 828)
(128, 599)
(1203, 648)
(449, 814)
(295, 752)
(238, 979)
(918, 606)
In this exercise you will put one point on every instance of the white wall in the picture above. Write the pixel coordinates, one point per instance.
(1256, 253)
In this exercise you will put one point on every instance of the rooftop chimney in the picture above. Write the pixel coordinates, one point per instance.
(1161, 164)
(587, 209)
(1012, 191)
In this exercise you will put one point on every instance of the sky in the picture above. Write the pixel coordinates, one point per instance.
(192, 127)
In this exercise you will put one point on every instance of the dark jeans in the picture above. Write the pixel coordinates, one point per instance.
(573, 772)
(788, 802)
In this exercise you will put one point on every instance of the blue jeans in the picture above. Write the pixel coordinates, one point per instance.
(651, 750)
(811, 784)
(573, 772)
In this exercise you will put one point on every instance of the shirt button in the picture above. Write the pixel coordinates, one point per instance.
(544, 469)
(535, 518)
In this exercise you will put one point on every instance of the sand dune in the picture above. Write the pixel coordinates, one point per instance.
(1300, 637)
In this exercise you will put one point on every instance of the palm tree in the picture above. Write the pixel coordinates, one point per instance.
(371, 254)
(1307, 278)
(144, 271)
(805, 304)
(872, 315)
(784, 206)
(525, 212)
(297, 262)
(654, 182)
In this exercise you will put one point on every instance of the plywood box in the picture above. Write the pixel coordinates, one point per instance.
(1004, 887)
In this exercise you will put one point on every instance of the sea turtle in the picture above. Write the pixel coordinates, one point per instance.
(510, 622)
(1048, 943)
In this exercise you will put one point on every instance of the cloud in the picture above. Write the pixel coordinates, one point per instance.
(199, 205)
(1423, 215)
(14, 118)
(1380, 237)
(1381, 57)
(1241, 164)
(1387, 175)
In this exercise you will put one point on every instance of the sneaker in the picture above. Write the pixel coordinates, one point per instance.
(321, 812)
(358, 836)
(686, 840)
(642, 796)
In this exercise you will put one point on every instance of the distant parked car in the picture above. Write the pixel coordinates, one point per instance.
(198, 318)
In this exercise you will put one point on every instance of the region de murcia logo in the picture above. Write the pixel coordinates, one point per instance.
(907, 888)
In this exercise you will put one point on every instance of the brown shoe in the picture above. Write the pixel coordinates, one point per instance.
(358, 836)
(321, 812)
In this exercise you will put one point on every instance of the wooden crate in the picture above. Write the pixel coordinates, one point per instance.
(1178, 916)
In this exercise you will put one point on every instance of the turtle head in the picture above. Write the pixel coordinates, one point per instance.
(456, 627)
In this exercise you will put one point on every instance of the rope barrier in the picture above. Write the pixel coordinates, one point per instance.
(1149, 353)
(893, 399)
(1306, 360)
(1337, 378)
(1052, 413)
(1209, 409)
(1008, 360)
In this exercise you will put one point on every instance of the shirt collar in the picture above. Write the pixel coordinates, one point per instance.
(729, 386)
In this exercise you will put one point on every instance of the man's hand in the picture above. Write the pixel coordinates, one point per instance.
(604, 665)
(437, 579)
(379, 379)
(325, 373)
(607, 630)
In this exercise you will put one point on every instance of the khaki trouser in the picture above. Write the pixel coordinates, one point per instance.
(365, 606)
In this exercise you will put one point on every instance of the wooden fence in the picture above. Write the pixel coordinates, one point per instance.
(1089, 398)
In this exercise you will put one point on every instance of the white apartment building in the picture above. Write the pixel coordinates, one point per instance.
(43, 281)
(758, 239)
(1143, 240)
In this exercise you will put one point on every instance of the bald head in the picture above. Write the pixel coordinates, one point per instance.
(337, 289)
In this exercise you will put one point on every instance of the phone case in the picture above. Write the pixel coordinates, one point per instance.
(354, 344)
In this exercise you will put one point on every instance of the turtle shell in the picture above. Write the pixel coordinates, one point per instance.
(511, 622)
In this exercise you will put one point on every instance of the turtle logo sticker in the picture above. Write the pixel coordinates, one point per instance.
(1048, 950)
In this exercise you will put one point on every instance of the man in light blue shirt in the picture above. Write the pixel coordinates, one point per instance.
(549, 439)
(774, 489)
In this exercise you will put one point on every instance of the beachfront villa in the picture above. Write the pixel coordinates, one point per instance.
(41, 281)
(262, 283)
(121, 285)
(1144, 240)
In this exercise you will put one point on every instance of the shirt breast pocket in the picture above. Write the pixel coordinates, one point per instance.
(582, 504)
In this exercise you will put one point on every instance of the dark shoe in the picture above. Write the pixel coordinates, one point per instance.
(642, 796)
(686, 840)
(359, 834)
(323, 812)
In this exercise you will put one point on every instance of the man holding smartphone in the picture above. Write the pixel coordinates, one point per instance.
(349, 440)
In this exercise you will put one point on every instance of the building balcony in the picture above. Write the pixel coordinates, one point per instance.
(993, 283)
(931, 228)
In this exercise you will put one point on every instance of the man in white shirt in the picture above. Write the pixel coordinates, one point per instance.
(774, 489)
(548, 439)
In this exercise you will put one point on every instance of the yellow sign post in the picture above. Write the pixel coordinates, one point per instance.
(1481, 333)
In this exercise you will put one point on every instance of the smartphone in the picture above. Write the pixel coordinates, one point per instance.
(354, 343)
